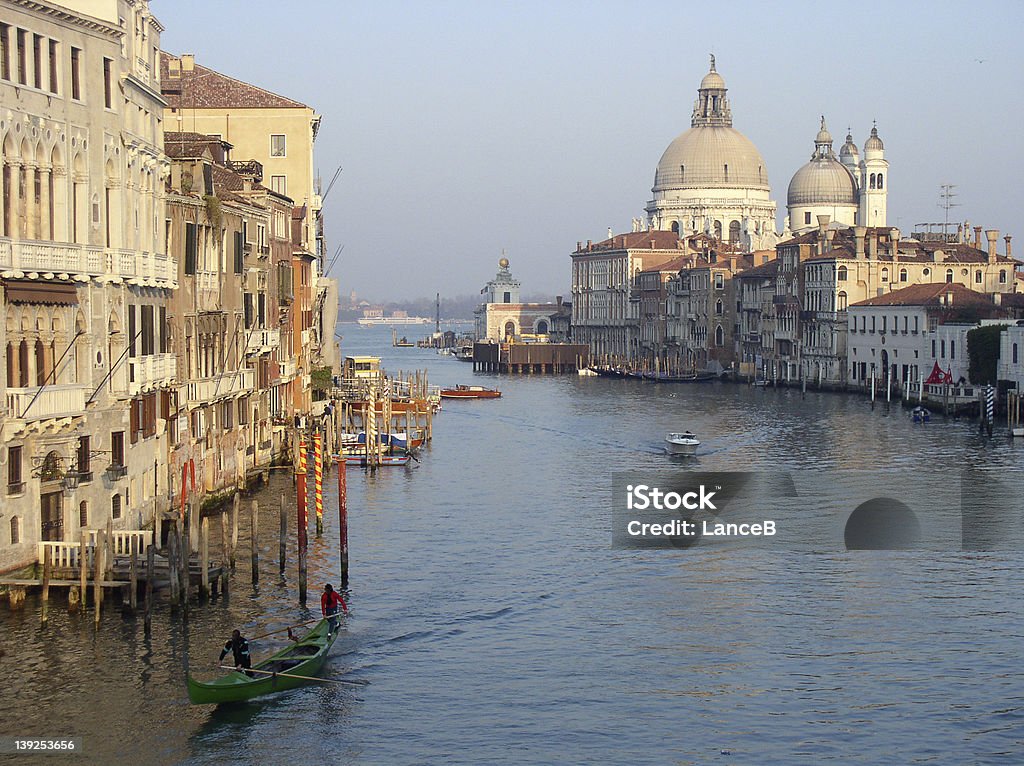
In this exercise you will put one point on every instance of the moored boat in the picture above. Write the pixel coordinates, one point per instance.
(684, 443)
(360, 459)
(921, 414)
(279, 672)
(693, 377)
(470, 392)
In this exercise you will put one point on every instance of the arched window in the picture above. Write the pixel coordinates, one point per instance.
(841, 299)
(903, 275)
(83, 514)
(15, 530)
(719, 336)
(718, 308)
(952, 349)
(841, 274)
(977, 277)
(734, 231)
(871, 184)
(1002, 276)
(115, 507)
(718, 229)
(542, 327)
(510, 329)
(949, 275)
(885, 274)
(675, 226)
(879, 180)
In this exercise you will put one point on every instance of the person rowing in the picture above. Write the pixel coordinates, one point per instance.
(329, 603)
(239, 648)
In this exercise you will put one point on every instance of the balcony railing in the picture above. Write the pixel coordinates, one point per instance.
(148, 372)
(53, 402)
(223, 385)
(262, 341)
(58, 258)
(288, 369)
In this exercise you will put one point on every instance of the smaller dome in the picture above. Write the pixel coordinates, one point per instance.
(822, 181)
(712, 81)
(823, 137)
(874, 143)
(849, 148)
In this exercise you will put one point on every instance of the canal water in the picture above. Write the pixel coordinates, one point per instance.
(495, 624)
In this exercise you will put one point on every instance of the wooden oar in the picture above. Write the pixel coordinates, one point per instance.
(281, 630)
(294, 675)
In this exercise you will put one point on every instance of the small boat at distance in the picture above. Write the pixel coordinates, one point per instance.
(693, 377)
(921, 415)
(681, 443)
(386, 459)
(304, 658)
(470, 392)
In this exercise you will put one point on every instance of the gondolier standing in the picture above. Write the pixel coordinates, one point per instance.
(329, 603)
(239, 648)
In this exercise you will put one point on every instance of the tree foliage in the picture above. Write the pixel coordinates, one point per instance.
(983, 352)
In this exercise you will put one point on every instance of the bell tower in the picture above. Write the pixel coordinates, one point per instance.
(874, 182)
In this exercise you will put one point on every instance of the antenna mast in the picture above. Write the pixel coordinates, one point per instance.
(946, 195)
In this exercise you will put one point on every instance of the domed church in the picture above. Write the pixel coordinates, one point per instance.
(849, 190)
(712, 179)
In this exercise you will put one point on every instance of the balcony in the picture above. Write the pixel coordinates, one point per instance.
(51, 258)
(150, 372)
(262, 341)
(53, 402)
(141, 268)
(288, 369)
(220, 386)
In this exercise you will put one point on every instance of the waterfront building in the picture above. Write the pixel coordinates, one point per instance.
(849, 190)
(756, 338)
(279, 133)
(604, 316)
(85, 274)
(899, 336)
(712, 179)
(503, 316)
(1011, 355)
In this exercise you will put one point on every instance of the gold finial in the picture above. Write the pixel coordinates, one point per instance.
(712, 62)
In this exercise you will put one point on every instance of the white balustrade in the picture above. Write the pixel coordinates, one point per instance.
(50, 257)
(223, 385)
(54, 401)
(153, 371)
(121, 542)
(64, 555)
(262, 341)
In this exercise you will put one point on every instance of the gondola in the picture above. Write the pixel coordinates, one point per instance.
(303, 658)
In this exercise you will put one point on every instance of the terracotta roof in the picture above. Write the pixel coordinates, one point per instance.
(931, 294)
(204, 88)
(188, 145)
(764, 271)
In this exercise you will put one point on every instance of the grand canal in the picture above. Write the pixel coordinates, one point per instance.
(495, 624)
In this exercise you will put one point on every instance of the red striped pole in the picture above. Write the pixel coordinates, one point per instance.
(318, 480)
(343, 519)
(300, 525)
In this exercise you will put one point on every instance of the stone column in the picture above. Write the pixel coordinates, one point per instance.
(45, 205)
(15, 201)
(31, 230)
(59, 204)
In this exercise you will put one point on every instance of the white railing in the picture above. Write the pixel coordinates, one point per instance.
(67, 555)
(206, 280)
(54, 401)
(149, 372)
(288, 369)
(225, 384)
(50, 257)
(262, 341)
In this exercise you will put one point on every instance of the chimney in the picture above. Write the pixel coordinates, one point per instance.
(858, 234)
(188, 62)
(997, 298)
(894, 239)
(558, 299)
(949, 297)
(977, 237)
(873, 246)
(588, 244)
(579, 245)
(822, 225)
(992, 235)
(1009, 252)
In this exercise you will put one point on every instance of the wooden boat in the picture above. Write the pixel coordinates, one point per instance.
(470, 392)
(303, 658)
(684, 443)
(360, 460)
(398, 439)
(920, 414)
(694, 377)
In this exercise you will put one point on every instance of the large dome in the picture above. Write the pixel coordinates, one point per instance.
(822, 181)
(711, 157)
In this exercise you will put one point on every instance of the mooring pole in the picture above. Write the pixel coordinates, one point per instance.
(300, 522)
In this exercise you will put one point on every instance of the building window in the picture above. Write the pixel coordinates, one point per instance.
(83, 461)
(279, 184)
(83, 514)
(76, 74)
(841, 274)
(1015, 353)
(942, 347)
(117, 448)
(1002, 276)
(879, 180)
(719, 336)
(15, 530)
(108, 85)
(926, 272)
(977, 277)
(885, 274)
(53, 66)
(718, 308)
(807, 218)
(933, 348)
(277, 145)
(115, 507)
(15, 482)
(952, 349)
(191, 248)
(37, 61)
(949, 275)
(5, 51)
(22, 63)
(903, 275)
(719, 281)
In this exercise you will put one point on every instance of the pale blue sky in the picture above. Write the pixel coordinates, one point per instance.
(468, 127)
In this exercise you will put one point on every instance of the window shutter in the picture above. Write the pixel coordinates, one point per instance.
(133, 424)
(191, 248)
(239, 258)
(131, 330)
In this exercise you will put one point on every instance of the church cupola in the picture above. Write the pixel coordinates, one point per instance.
(712, 107)
(874, 181)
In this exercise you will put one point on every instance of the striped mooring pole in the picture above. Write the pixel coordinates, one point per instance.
(990, 407)
(318, 480)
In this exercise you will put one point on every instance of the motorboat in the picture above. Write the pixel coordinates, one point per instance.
(920, 414)
(682, 443)
(470, 392)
